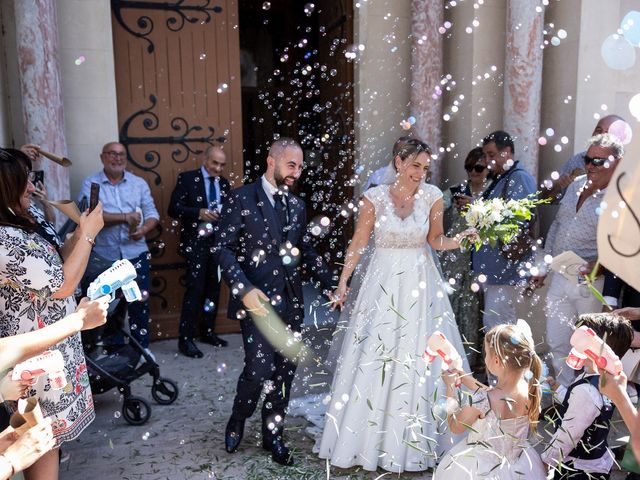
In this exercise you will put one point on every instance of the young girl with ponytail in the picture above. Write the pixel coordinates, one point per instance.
(500, 419)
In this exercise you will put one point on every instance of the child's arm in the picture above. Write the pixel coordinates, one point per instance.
(584, 407)
(462, 418)
(471, 383)
(615, 388)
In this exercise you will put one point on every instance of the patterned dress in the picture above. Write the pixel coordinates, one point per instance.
(466, 303)
(30, 272)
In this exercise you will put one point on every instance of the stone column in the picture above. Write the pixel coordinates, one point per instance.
(42, 109)
(427, 16)
(523, 78)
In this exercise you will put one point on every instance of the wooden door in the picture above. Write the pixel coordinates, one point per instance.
(177, 66)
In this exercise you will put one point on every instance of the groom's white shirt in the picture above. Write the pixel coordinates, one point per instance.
(269, 189)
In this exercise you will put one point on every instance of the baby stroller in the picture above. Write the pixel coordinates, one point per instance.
(117, 365)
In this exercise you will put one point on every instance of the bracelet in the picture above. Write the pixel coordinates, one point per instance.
(90, 240)
(6, 459)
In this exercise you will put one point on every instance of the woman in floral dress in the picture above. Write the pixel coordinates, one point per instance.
(36, 289)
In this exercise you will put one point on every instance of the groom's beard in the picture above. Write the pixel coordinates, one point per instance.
(281, 181)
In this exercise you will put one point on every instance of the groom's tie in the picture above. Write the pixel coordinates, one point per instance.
(281, 210)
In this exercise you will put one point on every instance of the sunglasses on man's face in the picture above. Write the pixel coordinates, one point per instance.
(476, 168)
(596, 162)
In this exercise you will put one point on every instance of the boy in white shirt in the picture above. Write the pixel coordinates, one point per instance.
(578, 449)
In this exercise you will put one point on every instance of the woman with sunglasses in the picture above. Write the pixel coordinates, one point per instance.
(38, 277)
(456, 264)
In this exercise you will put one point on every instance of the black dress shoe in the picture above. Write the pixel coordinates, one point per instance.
(215, 340)
(233, 434)
(272, 442)
(279, 451)
(188, 347)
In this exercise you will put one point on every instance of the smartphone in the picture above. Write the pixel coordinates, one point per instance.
(457, 191)
(94, 196)
(38, 177)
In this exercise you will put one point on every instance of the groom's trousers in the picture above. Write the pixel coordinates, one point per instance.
(262, 362)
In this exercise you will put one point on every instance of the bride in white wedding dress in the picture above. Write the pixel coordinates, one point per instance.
(381, 409)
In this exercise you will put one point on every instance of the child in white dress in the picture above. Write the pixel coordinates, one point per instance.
(499, 419)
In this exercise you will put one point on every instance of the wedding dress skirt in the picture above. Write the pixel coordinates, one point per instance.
(385, 407)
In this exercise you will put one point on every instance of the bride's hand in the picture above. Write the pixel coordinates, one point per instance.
(470, 234)
(339, 296)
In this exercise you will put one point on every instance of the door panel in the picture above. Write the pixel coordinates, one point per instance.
(178, 88)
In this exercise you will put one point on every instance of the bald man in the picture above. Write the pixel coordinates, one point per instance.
(129, 215)
(197, 202)
(261, 247)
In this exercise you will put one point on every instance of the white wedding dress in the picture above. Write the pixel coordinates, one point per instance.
(385, 404)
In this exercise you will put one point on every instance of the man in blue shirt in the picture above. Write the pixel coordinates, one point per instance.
(129, 214)
(511, 181)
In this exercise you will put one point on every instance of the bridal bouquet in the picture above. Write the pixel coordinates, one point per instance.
(498, 219)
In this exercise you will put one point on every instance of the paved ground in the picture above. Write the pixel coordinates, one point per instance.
(185, 440)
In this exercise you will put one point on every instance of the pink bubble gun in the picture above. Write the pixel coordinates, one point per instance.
(50, 362)
(439, 346)
(585, 344)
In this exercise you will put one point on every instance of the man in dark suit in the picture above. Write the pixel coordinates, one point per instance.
(197, 201)
(261, 245)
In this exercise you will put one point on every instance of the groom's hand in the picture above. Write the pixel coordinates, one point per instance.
(254, 301)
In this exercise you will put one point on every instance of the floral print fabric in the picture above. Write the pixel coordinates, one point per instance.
(30, 272)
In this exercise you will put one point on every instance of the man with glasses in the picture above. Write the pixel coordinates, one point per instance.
(129, 215)
(575, 229)
(575, 165)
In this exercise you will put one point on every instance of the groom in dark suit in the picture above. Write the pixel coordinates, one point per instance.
(261, 245)
(197, 201)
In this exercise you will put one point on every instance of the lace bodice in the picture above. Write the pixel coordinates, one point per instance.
(502, 438)
(390, 230)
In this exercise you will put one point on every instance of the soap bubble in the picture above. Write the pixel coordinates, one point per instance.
(622, 131)
(209, 305)
(617, 53)
(630, 27)
(634, 106)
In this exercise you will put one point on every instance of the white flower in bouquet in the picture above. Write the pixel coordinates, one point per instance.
(497, 220)
(496, 211)
(474, 214)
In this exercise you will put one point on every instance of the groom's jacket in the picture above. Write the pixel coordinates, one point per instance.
(254, 250)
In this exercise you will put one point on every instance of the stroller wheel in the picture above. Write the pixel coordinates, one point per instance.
(164, 391)
(136, 411)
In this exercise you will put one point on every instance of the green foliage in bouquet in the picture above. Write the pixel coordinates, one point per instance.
(498, 220)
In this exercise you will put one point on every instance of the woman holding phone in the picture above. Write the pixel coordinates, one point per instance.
(38, 278)
(456, 264)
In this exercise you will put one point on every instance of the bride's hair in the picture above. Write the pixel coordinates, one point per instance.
(409, 147)
(514, 347)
